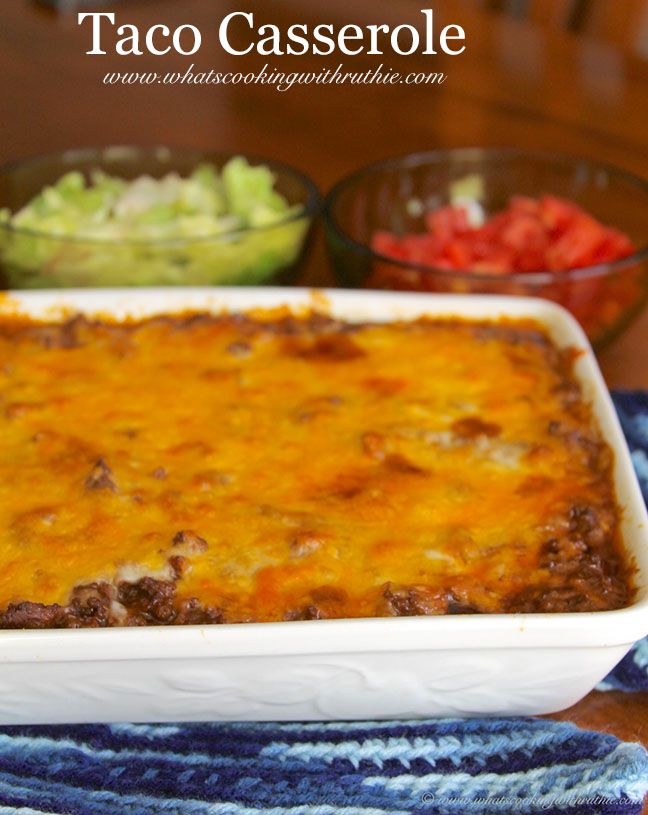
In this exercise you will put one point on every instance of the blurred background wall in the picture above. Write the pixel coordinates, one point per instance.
(620, 22)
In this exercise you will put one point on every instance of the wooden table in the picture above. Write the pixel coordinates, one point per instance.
(515, 85)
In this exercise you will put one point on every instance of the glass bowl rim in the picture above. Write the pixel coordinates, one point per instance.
(488, 154)
(309, 210)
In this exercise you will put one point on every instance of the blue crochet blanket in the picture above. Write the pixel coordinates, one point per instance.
(443, 767)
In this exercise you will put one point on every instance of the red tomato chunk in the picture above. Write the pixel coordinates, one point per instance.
(530, 235)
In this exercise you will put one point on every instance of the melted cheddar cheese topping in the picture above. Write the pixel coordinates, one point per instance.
(295, 467)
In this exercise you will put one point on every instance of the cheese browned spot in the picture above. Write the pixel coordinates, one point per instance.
(101, 477)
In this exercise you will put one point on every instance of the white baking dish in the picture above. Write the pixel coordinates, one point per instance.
(330, 669)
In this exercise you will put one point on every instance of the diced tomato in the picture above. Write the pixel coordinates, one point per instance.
(458, 254)
(422, 248)
(522, 233)
(556, 213)
(573, 249)
(447, 222)
(384, 243)
(522, 204)
(615, 245)
(530, 235)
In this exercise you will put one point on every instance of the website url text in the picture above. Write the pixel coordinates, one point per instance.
(282, 81)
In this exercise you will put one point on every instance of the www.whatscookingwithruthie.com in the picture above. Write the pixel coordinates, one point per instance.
(281, 80)
(510, 803)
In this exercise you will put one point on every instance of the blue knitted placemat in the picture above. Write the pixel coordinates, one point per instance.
(453, 767)
(362, 768)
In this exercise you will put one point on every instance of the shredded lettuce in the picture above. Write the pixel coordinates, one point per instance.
(197, 230)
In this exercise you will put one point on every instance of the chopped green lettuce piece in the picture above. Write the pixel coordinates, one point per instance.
(197, 230)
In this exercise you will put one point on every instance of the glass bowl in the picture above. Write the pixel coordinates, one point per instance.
(395, 195)
(244, 256)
